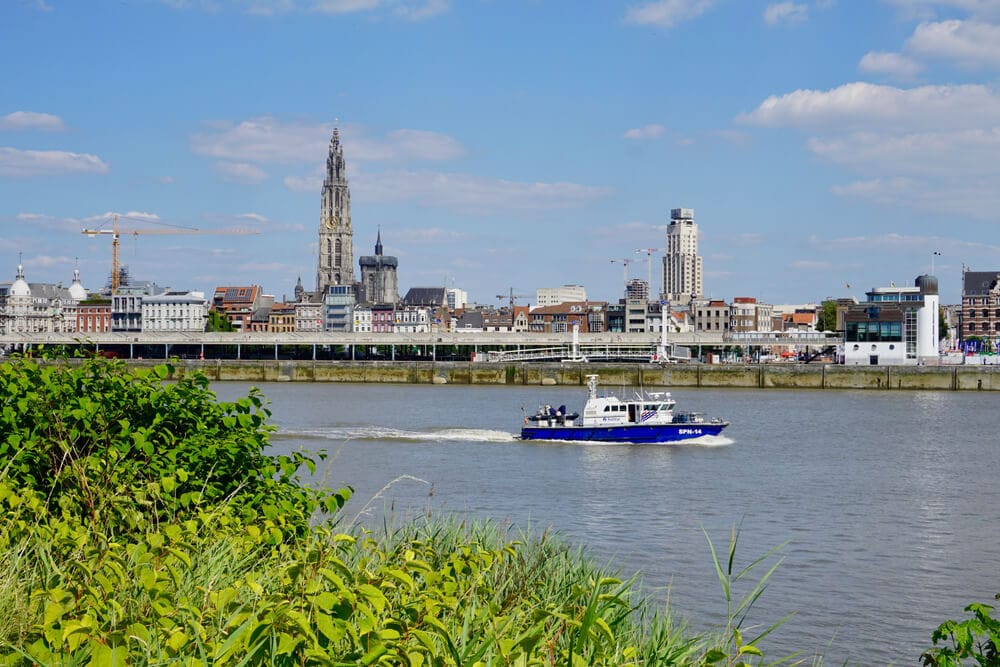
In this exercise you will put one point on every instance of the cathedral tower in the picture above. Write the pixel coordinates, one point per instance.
(336, 253)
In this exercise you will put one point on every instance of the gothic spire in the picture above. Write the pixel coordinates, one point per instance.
(378, 242)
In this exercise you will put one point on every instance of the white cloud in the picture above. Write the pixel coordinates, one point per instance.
(240, 172)
(866, 105)
(929, 9)
(969, 43)
(311, 184)
(895, 65)
(256, 217)
(466, 193)
(42, 6)
(266, 140)
(666, 13)
(427, 235)
(929, 148)
(410, 10)
(956, 154)
(24, 164)
(650, 131)
(31, 120)
(785, 12)
(976, 199)
(418, 11)
(811, 265)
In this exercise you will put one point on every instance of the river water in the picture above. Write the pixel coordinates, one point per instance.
(889, 501)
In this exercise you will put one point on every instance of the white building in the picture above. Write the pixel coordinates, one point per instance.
(457, 298)
(413, 319)
(553, 296)
(363, 319)
(308, 316)
(682, 273)
(174, 311)
(895, 326)
(38, 307)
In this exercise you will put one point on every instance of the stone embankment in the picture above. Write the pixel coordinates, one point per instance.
(765, 376)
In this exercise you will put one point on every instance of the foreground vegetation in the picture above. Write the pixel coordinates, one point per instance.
(142, 522)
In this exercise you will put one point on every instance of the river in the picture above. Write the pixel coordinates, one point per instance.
(889, 501)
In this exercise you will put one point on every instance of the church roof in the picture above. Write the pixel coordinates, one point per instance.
(426, 296)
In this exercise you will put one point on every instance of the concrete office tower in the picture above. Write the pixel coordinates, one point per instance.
(682, 277)
(336, 236)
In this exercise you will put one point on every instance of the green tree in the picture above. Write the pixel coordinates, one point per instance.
(218, 322)
(827, 316)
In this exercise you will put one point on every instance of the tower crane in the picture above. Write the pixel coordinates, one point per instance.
(115, 232)
(624, 262)
(512, 296)
(649, 265)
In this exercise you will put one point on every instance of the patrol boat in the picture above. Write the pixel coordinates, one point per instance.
(647, 417)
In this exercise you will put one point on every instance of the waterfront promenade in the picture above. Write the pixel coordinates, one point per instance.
(744, 376)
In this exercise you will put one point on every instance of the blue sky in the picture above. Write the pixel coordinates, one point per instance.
(826, 146)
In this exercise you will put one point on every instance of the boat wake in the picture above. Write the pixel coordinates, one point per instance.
(381, 433)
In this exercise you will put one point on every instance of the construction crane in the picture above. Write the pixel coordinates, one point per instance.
(115, 232)
(649, 265)
(624, 262)
(512, 296)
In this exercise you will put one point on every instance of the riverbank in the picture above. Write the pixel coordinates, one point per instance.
(762, 376)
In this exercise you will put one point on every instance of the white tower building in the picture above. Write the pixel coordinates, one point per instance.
(682, 277)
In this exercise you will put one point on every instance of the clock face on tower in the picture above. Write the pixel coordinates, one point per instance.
(331, 223)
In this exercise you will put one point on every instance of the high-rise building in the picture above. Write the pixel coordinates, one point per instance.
(682, 276)
(336, 236)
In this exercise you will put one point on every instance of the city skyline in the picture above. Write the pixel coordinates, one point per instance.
(826, 147)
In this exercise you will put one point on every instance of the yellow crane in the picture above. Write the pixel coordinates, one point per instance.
(167, 228)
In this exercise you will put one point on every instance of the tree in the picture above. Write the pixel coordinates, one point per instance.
(218, 322)
(827, 319)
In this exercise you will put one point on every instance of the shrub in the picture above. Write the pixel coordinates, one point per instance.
(127, 450)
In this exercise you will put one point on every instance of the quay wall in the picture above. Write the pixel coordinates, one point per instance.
(763, 376)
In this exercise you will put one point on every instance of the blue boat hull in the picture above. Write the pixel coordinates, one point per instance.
(638, 433)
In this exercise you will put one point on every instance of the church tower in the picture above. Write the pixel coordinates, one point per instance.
(336, 253)
(378, 276)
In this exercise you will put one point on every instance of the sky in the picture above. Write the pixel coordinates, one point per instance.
(826, 146)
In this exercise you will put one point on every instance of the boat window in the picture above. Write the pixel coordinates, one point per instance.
(607, 408)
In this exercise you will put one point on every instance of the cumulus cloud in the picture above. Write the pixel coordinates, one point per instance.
(811, 265)
(666, 13)
(864, 105)
(26, 164)
(785, 12)
(240, 172)
(31, 120)
(650, 131)
(969, 43)
(467, 193)
(895, 65)
(267, 140)
(930, 148)
(304, 183)
(410, 10)
(930, 9)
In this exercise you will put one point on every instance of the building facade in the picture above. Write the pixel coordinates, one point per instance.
(894, 326)
(713, 315)
(980, 313)
(551, 296)
(336, 235)
(174, 311)
(36, 308)
(682, 272)
(378, 276)
(338, 308)
(238, 303)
